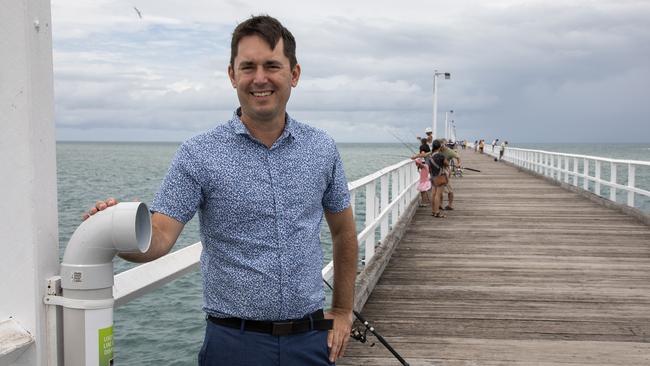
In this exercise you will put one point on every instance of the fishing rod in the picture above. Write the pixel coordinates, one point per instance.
(361, 336)
(402, 141)
(474, 170)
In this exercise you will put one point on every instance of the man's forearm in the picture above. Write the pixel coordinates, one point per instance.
(345, 270)
(156, 250)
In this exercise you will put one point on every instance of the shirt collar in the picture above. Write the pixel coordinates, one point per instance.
(238, 127)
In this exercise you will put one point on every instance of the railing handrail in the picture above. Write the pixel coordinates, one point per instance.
(579, 156)
(370, 177)
(136, 282)
(570, 168)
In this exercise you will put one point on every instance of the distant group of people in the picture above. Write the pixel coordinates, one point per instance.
(479, 146)
(435, 161)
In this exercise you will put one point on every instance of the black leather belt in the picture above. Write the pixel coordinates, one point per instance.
(313, 321)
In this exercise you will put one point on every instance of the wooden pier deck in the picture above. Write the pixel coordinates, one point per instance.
(523, 272)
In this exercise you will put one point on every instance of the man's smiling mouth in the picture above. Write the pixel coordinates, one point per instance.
(262, 93)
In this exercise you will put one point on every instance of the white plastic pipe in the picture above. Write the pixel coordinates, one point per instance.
(88, 259)
(87, 280)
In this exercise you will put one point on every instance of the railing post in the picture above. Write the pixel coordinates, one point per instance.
(597, 177)
(575, 172)
(383, 204)
(585, 167)
(631, 173)
(612, 190)
(566, 169)
(370, 217)
(554, 167)
(353, 201)
(402, 187)
(394, 192)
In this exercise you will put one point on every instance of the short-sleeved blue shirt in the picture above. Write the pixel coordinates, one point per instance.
(260, 211)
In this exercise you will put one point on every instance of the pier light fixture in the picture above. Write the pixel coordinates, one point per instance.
(436, 74)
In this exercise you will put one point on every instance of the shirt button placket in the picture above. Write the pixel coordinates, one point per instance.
(277, 210)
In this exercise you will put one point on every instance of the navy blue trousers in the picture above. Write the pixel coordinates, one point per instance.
(224, 346)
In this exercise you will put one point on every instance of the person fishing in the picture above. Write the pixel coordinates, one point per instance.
(259, 221)
(450, 155)
(437, 163)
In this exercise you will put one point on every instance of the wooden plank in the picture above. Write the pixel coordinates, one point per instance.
(523, 273)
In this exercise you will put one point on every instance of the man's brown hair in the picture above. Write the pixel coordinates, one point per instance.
(270, 30)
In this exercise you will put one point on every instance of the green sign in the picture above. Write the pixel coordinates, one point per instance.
(106, 346)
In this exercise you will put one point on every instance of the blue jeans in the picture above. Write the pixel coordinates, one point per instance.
(224, 346)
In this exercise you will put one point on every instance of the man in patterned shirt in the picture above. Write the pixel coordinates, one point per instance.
(261, 184)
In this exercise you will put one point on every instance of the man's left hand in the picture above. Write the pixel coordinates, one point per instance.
(337, 338)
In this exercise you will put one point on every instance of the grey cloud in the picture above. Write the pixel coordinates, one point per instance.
(534, 72)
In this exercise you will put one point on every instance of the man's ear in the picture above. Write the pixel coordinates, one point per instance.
(295, 75)
(231, 75)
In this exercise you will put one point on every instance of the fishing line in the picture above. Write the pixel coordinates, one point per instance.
(400, 140)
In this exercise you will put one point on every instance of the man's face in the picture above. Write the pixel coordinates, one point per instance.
(429, 136)
(263, 79)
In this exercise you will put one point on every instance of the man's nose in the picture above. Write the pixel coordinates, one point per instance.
(260, 76)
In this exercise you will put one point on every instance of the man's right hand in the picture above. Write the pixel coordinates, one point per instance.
(99, 206)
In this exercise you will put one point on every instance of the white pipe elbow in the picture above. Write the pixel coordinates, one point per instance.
(88, 258)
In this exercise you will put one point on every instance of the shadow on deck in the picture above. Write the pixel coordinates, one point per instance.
(523, 272)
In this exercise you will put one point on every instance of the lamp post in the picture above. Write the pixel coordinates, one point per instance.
(453, 130)
(435, 98)
(447, 125)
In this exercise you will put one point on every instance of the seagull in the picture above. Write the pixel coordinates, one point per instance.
(138, 11)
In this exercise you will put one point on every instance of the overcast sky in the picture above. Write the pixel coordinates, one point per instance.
(524, 71)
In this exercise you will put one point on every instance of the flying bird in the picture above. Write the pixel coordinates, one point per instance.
(138, 12)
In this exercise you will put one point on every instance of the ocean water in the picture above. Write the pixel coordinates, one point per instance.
(166, 326)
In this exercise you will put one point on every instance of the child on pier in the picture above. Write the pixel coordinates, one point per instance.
(424, 185)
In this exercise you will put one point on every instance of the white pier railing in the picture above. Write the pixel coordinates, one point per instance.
(604, 177)
(391, 190)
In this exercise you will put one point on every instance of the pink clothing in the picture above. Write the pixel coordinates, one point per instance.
(424, 184)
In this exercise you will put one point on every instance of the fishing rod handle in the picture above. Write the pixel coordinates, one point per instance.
(380, 338)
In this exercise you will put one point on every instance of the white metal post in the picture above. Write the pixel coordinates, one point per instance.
(566, 169)
(597, 178)
(553, 167)
(631, 173)
(533, 161)
(402, 186)
(384, 204)
(435, 100)
(612, 190)
(546, 164)
(575, 172)
(435, 104)
(28, 219)
(394, 192)
(585, 167)
(370, 217)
